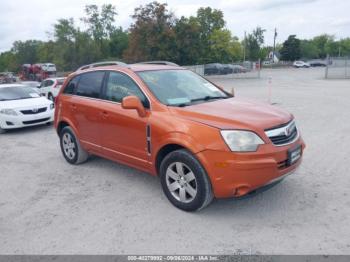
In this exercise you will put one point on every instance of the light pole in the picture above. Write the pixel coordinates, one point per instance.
(274, 46)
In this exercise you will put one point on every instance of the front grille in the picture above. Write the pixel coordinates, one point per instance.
(34, 111)
(284, 134)
(36, 121)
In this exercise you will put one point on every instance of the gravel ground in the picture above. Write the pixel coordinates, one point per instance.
(50, 207)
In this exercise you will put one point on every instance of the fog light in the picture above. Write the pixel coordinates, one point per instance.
(9, 123)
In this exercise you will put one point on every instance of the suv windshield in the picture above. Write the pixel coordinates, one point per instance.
(16, 93)
(180, 87)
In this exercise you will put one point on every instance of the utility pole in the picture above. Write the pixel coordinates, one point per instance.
(244, 46)
(274, 45)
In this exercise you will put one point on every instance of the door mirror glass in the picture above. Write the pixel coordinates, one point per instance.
(133, 102)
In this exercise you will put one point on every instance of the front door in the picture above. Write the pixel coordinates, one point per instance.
(124, 132)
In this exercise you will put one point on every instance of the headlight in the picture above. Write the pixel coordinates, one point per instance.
(241, 141)
(6, 111)
(52, 106)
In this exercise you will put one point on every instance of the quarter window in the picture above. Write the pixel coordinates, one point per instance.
(90, 84)
(120, 85)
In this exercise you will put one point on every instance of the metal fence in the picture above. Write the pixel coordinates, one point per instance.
(337, 68)
(240, 70)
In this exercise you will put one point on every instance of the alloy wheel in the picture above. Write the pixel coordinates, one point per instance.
(181, 182)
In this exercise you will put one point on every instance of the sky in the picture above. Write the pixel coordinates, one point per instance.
(34, 19)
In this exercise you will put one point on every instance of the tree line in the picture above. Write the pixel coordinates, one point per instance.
(157, 34)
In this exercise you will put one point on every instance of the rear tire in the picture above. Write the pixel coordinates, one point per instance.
(185, 182)
(71, 149)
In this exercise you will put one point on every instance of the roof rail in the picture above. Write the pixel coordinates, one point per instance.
(106, 63)
(158, 63)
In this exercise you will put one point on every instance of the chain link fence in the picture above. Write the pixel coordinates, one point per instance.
(337, 68)
(240, 70)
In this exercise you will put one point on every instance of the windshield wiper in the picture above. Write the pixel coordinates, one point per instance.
(207, 98)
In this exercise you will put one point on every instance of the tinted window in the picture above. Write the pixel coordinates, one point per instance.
(90, 84)
(120, 85)
(71, 85)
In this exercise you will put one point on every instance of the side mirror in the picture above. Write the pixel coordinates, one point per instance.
(133, 102)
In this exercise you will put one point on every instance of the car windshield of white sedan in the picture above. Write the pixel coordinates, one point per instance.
(17, 93)
(181, 87)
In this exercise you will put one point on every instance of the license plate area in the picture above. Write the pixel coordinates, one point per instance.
(293, 155)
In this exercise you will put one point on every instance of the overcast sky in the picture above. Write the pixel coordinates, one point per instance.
(33, 19)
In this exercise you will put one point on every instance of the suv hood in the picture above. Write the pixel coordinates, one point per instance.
(234, 113)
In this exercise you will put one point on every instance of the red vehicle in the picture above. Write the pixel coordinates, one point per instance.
(37, 72)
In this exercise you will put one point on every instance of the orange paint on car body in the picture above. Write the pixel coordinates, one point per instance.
(140, 138)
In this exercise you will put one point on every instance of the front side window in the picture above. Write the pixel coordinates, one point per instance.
(90, 84)
(120, 85)
(71, 85)
(180, 87)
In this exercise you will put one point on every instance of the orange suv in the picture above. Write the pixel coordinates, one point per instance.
(168, 121)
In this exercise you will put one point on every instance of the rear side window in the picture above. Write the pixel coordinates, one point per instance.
(71, 85)
(90, 84)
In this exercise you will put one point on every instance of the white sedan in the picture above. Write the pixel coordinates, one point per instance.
(300, 64)
(21, 106)
(50, 87)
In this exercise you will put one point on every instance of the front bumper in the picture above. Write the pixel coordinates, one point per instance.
(19, 121)
(237, 174)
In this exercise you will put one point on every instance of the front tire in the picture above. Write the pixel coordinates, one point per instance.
(71, 149)
(2, 131)
(185, 182)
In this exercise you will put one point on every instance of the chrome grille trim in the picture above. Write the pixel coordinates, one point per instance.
(283, 135)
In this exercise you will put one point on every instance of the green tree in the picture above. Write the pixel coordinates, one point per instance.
(187, 35)
(253, 43)
(152, 36)
(118, 43)
(308, 49)
(8, 62)
(209, 20)
(321, 42)
(224, 48)
(291, 49)
(26, 52)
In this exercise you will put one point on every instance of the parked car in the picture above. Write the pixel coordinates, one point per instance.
(32, 84)
(171, 122)
(21, 106)
(48, 67)
(317, 63)
(50, 87)
(226, 69)
(7, 77)
(213, 69)
(239, 69)
(300, 64)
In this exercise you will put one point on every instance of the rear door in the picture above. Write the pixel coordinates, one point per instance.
(85, 107)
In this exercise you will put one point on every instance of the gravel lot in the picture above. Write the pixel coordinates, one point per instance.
(50, 207)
